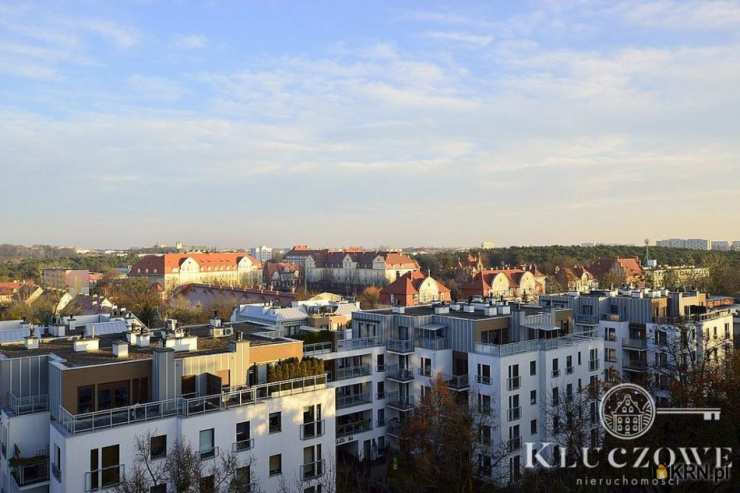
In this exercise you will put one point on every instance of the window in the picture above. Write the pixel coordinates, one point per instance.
(206, 447)
(533, 368)
(533, 397)
(610, 334)
(158, 447)
(611, 355)
(514, 468)
(276, 464)
(533, 427)
(426, 367)
(579, 358)
(104, 470)
(381, 417)
(312, 463)
(555, 396)
(714, 336)
(555, 367)
(275, 422)
(381, 362)
(485, 434)
(569, 392)
(242, 479)
(727, 331)
(85, 399)
(513, 377)
(556, 424)
(569, 364)
(484, 404)
(484, 374)
(243, 436)
(381, 390)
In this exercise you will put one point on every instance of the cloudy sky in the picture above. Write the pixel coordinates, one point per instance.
(343, 123)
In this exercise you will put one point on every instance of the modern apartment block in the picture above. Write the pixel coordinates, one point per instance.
(650, 334)
(73, 407)
(512, 364)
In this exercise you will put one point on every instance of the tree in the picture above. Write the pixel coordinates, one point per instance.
(441, 443)
(185, 469)
(370, 298)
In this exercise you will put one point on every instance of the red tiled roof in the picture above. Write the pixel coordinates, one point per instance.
(171, 262)
(409, 283)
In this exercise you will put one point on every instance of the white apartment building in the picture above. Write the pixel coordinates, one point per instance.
(262, 253)
(649, 334)
(73, 407)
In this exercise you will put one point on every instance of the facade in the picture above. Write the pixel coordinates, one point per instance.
(414, 288)
(692, 243)
(8, 291)
(73, 408)
(171, 270)
(627, 268)
(351, 269)
(577, 278)
(262, 253)
(650, 335)
(511, 283)
(674, 275)
(721, 245)
(281, 276)
(74, 281)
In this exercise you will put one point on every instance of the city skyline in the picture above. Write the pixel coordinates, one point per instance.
(412, 124)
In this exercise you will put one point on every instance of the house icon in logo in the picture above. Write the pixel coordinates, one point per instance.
(627, 417)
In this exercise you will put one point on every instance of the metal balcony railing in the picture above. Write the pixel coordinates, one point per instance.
(400, 345)
(317, 348)
(638, 344)
(312, 430)
(107, 477)
(347, 429)
(535, 344)
(240, 396)
(242, 445)
(346, 401)
(483, 379)
(635, 364)
(433, 343)
(395, 372)
(27, 472)
(513, 383)
(352, 372)
(457, 381)
(27, 404)
(312, 470)
(349, 344)
(399, 402)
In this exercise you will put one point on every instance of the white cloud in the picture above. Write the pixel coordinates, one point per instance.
(190, 42)
(158, 88)
(460, 37)
(694, 15)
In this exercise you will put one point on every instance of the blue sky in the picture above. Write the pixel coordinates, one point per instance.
(374, 123)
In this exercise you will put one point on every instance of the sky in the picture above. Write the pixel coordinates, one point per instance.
(338, 123)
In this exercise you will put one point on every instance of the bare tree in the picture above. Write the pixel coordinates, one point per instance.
(186, 470)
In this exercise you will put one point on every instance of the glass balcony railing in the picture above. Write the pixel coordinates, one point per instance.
(242, 445)
(353, 428)
(350, 344)
(27, 472)
(399, 402)
(395, 372)
(312, 430)
(181, 407)
(400, 345)
(483, 379)
(352, 372)
(513, 383)
(312, 470)
(27, 404)
(107, 477)
(346, 401)
(457, 381)
(637, 344)
(433, 343)
(515, 413)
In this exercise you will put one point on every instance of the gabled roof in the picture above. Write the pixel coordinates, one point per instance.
(409, 284)
(171, 262)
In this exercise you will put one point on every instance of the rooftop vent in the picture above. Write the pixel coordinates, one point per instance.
(189, 343)
(399, 309)
(32, 342)
(86, 345)
(455, 307)
(440, 310)
(469, 309)
(120, 349)
(222, 331)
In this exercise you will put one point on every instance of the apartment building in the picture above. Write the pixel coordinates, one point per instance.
(414, 288)
(262, 253)
(350, 269)
(73, 407)
(319, 313)
(74, 281)
(510, 363)
(511, 283)
(171, 270)
(648, 334)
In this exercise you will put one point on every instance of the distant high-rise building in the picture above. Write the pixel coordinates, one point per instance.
(721, 245)
(692, 243)
(262, 253)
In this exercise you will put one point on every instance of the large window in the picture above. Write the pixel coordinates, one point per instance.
(243, 435)
(113, 395)
(158, 447)
(207, 448)
(275, 422)
(86, 399)
(276, 464)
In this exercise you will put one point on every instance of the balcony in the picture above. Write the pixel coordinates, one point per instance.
(433, 343)
(351, 372)
(395, 372)
(27, 404)
(349, 429)
(346, 401)
(514, 444)
(515, 413)
(30, 471)
(181, 407)
(535, 344)
(398, 402)
(400, 346)
(242, 445)
(637, 344)
(350, 344)
(312, 470)
(312, 430)
(107, 477)
(593, 365)
(483, 379)
(393, 429)
(513, 383)
(635, 365)
(457, 382)
(317, 348)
